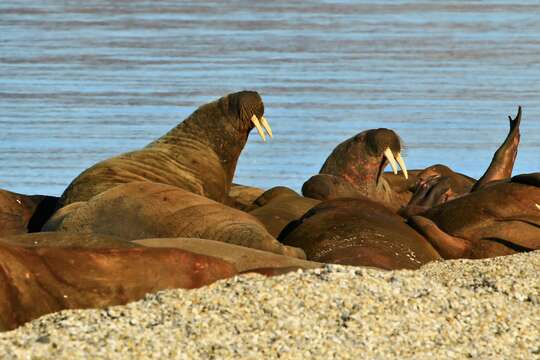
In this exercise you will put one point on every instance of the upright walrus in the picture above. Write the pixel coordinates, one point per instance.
(198, 155)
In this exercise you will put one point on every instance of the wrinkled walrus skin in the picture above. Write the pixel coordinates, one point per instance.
(500, 219)
(38, 281)
(20, 214)
(198, 155)
(141, 210)
(355, 168)
(360, 232)
(243, 258)
(280, 205)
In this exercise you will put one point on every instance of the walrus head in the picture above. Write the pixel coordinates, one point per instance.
(385, 145)
(362, 158)
(355, 167)
(248, 107)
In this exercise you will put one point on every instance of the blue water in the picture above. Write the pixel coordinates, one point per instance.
(82, 81)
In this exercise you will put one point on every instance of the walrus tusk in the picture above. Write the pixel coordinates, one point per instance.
(266, 126)
(537, 206)
(257, 124)
(390, 157)
(401, 163)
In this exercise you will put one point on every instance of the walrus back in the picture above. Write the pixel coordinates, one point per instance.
(183, 167)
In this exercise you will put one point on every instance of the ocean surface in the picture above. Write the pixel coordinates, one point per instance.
(81, 81)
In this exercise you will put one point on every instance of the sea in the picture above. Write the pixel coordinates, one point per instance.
(81, 81)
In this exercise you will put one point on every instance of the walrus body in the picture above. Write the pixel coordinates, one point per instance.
(242, 196)
(500, 219)
(355, 168)
(243, 258)
(199, 155)
(279, 206)
(140, 210)
(438, 184)
(361, 232)
(21, 214)
(38, 281)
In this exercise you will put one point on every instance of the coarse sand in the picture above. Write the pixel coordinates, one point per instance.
(451, 309)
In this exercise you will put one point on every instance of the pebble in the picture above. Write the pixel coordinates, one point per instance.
(448, 309)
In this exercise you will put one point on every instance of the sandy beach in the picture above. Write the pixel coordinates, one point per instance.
(452, 309)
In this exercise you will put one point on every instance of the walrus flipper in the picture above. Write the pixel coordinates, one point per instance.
(448, 246)
(503, 161)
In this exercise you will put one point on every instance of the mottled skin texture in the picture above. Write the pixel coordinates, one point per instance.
(460, 184)
(242, 257)
(38, 281)
(499, 219)
(438, 184)
(21, 214)
(66, 239)
(199, 155)
(361, 232)
(279, 206)
(242, 196)
(355, 168)
(142, 210)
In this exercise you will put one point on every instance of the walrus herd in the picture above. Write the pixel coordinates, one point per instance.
(169, 216)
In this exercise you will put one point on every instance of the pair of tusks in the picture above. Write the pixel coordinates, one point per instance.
(264, 124)
(395, 161)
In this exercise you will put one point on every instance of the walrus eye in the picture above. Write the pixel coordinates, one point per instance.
(394, 162)
(264, 123)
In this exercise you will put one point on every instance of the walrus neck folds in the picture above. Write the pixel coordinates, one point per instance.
(218, 128)
(354, 163)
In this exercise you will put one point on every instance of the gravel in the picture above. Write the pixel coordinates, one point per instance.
(451, 309)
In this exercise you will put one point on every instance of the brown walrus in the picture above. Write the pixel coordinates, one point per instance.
(438, 184)
(140, 210)
(278, 206)
(500, 219)
(242, 196)
(41, 280)
(355, 167)
(358, 231)
(21, 214)
(198, 155)
(243, 258)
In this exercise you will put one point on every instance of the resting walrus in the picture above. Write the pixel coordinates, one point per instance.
(355, 168)
(142, 210)
(198, 155)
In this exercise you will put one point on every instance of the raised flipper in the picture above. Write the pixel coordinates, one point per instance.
(503, 161)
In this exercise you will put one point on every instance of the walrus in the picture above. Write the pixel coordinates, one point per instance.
(361, 232)
(21, 213)
(41, 280)
(243, 258)
(140, 210)
(438, 184)
(198, 155)
(355, 167)
(278, 206)
(243, 196)
(500, 219)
